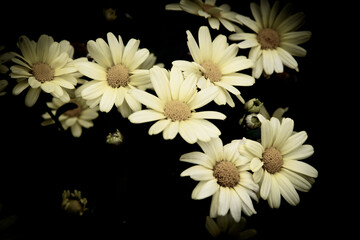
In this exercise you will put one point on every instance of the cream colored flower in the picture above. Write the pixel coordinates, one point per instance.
(174, 107)
(114, 72)
(208, 9)
(77, 118)
(216, 64)
(275, 40)
(223, 174)
(46, 66)
(277, 163)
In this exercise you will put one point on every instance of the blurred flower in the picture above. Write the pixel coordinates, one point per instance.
(276, 164)
(4, 57)
(3, 85)
(174, 107)
(73, 203)
(76, 118)
(223, 174)
(115, 138)
(114, 72)
(109, 14)
(216, 64)
(226, 228)
(275, 40)
(208, 9)
(44, 65)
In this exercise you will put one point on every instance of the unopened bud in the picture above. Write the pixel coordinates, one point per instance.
(115, 138)
(253, 105)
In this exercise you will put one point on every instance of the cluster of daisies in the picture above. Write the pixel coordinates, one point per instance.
(127, 77)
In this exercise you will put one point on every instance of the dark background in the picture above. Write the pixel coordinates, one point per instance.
(135, 190)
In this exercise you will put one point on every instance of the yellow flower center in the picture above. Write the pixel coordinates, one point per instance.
(117, 76)
(177, 111)
(226, 173)
(43, 72)
(212, 71)
(272, 160)
(268, 38)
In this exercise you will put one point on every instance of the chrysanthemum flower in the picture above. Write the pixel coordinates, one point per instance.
(276, 161)
(77, 118)
(208, 9)
(44, 65)
(114, 72)
(174, 107)
(275, 40)
(223, 174)
(216, 64)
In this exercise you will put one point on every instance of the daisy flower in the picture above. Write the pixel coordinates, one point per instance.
(223, 174)
(77, 118)
(276, 161)
(114, 72)
(275, 40)
(208, 9)
(216, 64)
(174, 107)
(46, 66)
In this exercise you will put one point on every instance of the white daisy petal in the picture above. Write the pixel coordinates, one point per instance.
(300, 167)
(287, 190)
(171, 130)
(274, 198)
(143, 116)
(224, 201)
(198, 173)
(265, 186)
(32, 96)
(197, 158)
(203, 97)
(108, 99)
(300, 153)
(92, 70)
(116, 48)
(205, 43)
(293, 142)
(161, 83)
(205, 189)
(186, 132)
(159, 126)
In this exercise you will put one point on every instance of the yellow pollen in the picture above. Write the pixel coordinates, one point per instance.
(226, 173)
(272, 160)
(268, 38)
(42, 72)
(117, 76)
(177, 111)
(212, 71)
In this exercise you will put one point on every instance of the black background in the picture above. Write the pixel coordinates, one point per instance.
(135, 190)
